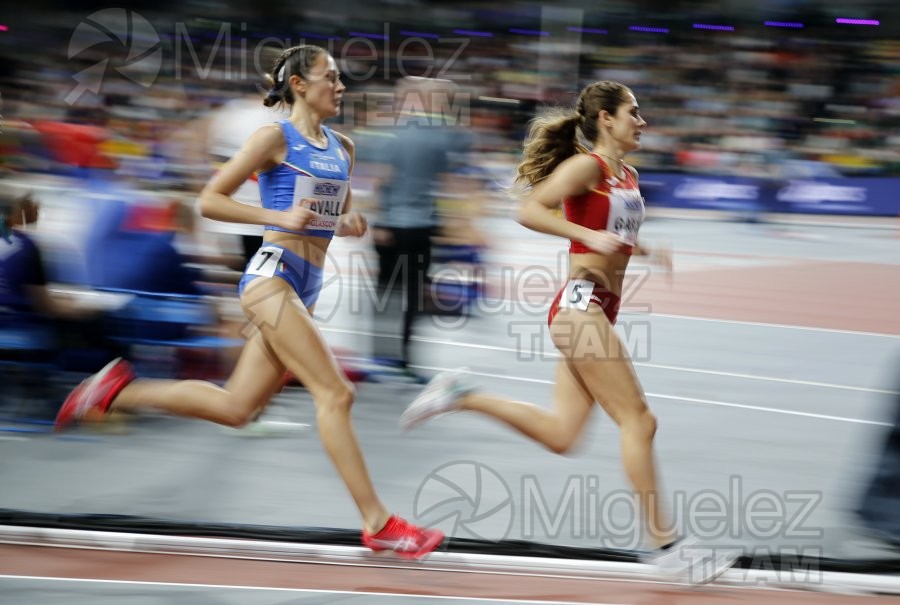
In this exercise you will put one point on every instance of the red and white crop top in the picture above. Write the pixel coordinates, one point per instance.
(613, 205)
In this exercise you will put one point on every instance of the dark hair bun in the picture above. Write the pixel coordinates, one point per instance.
(274, 97)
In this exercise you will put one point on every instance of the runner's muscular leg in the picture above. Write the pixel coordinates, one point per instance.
(557, 429)
(290, 331)
(256, 377)
(596, 353)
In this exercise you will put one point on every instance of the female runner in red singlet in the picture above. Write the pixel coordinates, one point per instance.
(603, 212)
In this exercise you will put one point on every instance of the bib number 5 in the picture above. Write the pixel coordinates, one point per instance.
(577, 294)
(264, 262)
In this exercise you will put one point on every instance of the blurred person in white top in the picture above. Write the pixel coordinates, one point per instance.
(227, 129)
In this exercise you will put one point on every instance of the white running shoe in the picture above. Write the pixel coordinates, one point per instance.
(689, 561)
(440, 396)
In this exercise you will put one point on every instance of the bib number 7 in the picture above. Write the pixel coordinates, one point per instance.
(577, 294)
(264, 262)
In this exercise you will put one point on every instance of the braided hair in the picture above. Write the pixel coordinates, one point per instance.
(294, 61)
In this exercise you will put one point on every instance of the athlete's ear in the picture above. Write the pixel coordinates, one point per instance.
(297, 83)
(604, 118)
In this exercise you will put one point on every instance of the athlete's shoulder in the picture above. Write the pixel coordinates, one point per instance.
(581, 167)
(269, 136)
(633, 172)
(272, 130)
(346, 141)
(585, 160)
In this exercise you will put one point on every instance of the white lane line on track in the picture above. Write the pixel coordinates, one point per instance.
(639, 364)
(357, 593)
(771, 325)
(757, 408)
(809, 383)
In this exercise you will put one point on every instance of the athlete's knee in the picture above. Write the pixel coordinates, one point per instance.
(642, 423)
(337, 399)
(236, 418)
(562, 439)
(239, 413)
(562, 443)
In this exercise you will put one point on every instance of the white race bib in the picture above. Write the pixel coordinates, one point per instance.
(626, 213)
(264, 262)
(325, 197)
(577, 294)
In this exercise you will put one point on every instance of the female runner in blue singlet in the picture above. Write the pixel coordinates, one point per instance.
(304, 175)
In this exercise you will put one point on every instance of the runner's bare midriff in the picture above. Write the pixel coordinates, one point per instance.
(607, 270)
(309, 247)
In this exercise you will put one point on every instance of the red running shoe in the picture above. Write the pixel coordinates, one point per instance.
(404, 538)
(96, 392)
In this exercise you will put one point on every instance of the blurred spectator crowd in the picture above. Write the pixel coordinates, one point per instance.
(734, 97)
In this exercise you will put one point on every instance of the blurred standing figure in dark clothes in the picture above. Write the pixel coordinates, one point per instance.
(880, 506)
(417, 152)
(57, 328)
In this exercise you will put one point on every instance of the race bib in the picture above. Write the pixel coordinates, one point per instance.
(325, 197)
(626, 214)
(264, 262)
(577, 294)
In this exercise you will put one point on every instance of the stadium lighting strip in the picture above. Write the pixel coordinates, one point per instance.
(572, 28)
(368, 35)
(845, 21)
(724, 28)
(318, 36)
(469, 32)
(420, 35)
(652, 30)
(355, 556)
(528, 32)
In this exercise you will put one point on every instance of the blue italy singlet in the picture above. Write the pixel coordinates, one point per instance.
(319, 179)
(316, 177)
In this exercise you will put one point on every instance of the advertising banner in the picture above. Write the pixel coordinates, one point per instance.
(843, 196)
